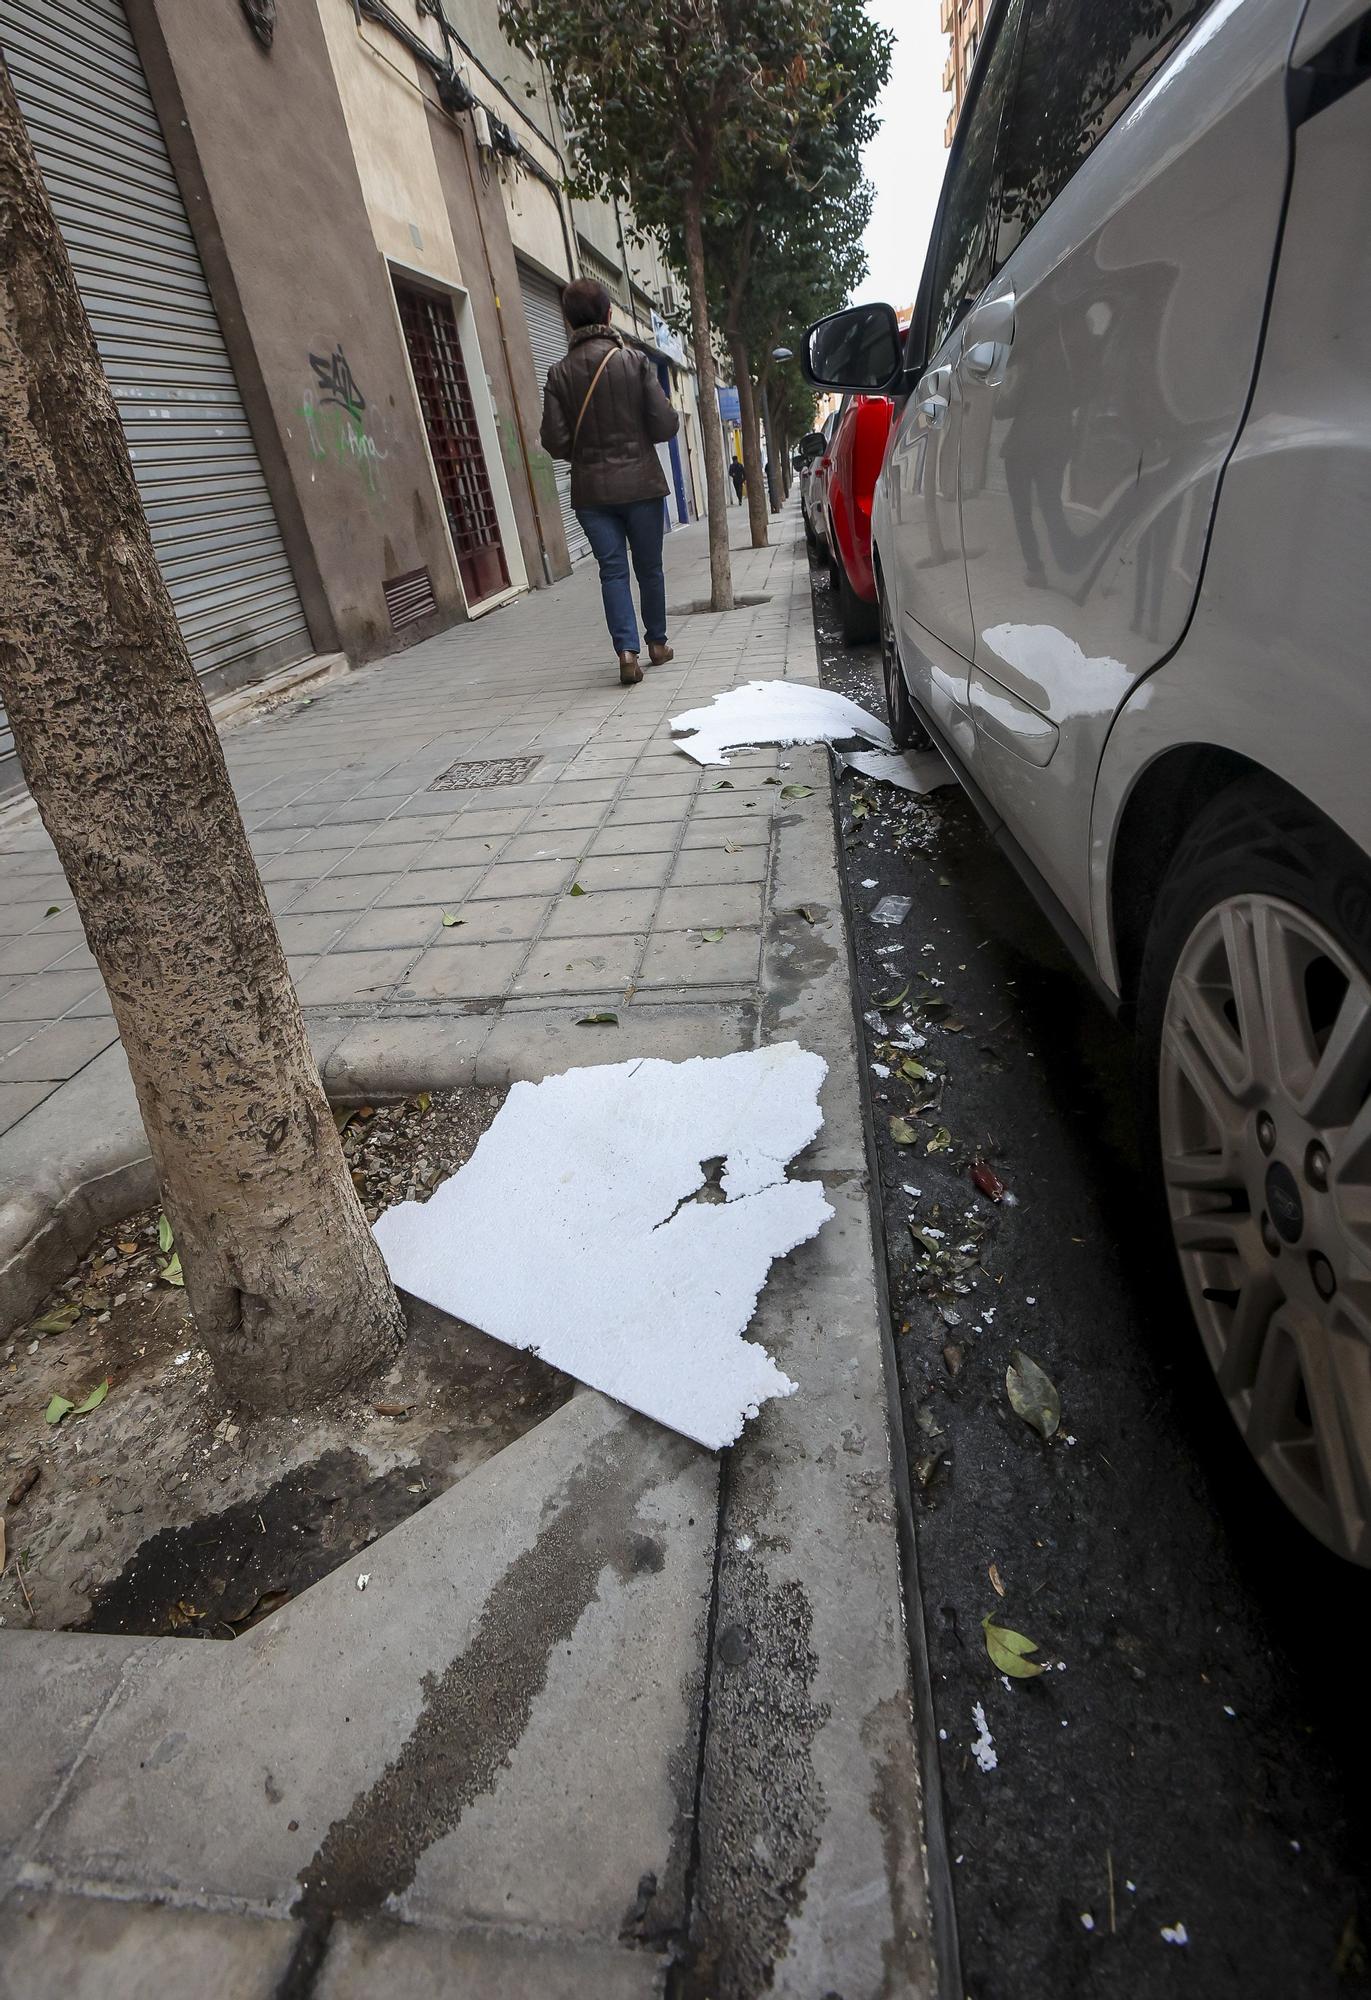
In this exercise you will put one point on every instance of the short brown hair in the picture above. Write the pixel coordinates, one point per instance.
(585, 302)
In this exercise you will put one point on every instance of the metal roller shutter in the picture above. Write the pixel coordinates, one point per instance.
(547, 335)
(95, 131)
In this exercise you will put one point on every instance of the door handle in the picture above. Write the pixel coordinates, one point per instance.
(989, 323)
(980, 358)
(933, 410)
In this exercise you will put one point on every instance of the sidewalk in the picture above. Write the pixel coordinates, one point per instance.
(611, 1705)
(363, 847)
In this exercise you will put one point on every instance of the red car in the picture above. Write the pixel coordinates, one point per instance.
(846, 475)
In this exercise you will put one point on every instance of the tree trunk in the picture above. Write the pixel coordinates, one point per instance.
(289, 1290)
(711, 430)
(752, 449)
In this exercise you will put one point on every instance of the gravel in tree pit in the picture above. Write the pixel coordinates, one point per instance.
(168, 1510)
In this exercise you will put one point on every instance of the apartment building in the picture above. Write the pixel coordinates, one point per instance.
(963, 22)
(321, 248)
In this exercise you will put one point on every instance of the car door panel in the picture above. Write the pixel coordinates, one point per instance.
(1103, 376)
(921, 491)
(919, 499)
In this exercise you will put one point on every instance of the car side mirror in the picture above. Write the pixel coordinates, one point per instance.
(809, 447)
(857, 349)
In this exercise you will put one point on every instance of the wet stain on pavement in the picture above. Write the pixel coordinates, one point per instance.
(476, 1710)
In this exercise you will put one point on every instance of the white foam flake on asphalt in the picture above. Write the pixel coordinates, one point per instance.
(1175, 1934)
(573, 1230)
(919, 771)
(983, 1745)
(1087, 1921)
(781, 712)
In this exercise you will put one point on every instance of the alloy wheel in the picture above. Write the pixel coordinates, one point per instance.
(1265, 1124)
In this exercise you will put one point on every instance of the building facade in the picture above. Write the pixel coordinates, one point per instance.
(963, 22)
(321, 249)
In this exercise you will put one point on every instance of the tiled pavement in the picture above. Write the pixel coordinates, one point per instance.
(364, 851)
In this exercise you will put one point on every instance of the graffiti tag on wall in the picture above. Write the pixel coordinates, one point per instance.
(334, 418)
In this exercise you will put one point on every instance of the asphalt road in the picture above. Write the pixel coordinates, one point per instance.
(1177, 1805)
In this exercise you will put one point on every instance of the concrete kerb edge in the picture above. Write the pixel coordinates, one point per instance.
(833, 1310)
(947, 1965)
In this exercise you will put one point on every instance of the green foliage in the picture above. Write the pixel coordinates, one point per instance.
(694, 97)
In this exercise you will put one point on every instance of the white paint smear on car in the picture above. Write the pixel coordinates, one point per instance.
(620, 1221)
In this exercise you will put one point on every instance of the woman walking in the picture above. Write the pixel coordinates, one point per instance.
(604, 410)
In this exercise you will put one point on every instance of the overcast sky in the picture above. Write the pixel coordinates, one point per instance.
(906, 158)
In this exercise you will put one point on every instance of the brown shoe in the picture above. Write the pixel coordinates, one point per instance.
(630, 673)
(659, 655)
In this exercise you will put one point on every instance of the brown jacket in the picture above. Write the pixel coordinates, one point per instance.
(614, 461)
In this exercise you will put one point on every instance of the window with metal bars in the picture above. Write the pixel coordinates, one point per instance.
(454, 439)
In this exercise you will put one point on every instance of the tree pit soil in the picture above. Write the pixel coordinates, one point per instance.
(166, 1509)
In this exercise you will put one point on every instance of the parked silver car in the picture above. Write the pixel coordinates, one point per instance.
(1123, 545)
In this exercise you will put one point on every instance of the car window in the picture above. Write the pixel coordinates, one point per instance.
(962, 263)
(1083, 63)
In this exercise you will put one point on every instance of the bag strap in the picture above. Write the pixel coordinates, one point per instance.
(594, 385)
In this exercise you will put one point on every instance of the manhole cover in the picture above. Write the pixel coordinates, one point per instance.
(485, 771)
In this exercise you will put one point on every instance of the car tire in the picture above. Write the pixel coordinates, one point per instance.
(859, 621)
(905, 726)
(1254, 1068)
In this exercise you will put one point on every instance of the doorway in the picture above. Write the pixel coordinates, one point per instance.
(454, 439)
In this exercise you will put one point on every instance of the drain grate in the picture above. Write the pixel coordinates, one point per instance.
(485, 771)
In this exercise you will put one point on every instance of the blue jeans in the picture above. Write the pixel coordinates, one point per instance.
(612, 532)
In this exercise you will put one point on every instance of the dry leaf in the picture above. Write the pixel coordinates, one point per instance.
(994, 1574)
(1032, 1393)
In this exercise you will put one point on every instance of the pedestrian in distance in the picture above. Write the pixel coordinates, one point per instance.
(605, 411)
(739, 478)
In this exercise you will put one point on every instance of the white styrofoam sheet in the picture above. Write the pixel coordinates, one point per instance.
(572, 1231)
(911, 770)
(780, 712)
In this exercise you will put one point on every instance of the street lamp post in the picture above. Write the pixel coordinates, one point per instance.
(770, 454)
(777, 354)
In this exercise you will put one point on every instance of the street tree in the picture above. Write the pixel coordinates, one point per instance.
(114, 735)
(808, 266)
(787, 246)
(678, 109)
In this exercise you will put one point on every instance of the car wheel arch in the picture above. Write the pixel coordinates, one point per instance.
(1164, 801)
